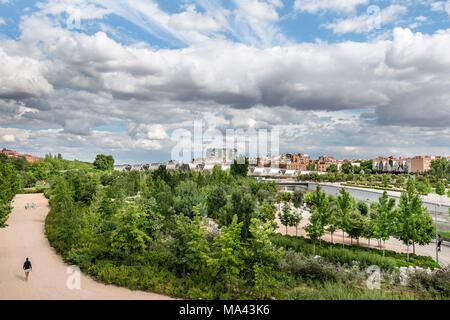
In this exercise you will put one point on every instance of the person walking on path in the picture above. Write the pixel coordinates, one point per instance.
(27, 268)
(439, 243)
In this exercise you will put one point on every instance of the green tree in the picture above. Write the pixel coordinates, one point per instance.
(347, 168)
(332, 169)
(363, 208)
(187, 197)
(130, 235)
(239, 168)
(262, 259)
(297, 199)
(441, 186)
(440, 168)
(244, 206)
(285, 216)
(345, 208)
(216, 200)
(319, 215)
(385, 218)
(104, 162)
(414, 223)
(357, 226)
(227, 258)
(296, 219)
(311, 167)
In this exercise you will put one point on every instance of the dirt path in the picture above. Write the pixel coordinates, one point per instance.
(24, 237)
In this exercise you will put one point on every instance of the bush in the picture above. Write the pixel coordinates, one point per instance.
(366, 257)
(307, 268)
(437, 283)
(340, 291)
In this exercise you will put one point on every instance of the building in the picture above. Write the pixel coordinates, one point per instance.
(299, 162)
(420, 164)
(15, 154)
(391, 165)
(10, 153)
(324, 162)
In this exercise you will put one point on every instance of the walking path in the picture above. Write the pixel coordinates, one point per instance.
(391, 244)
(24, 237)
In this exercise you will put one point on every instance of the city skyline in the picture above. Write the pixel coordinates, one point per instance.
(353, 79)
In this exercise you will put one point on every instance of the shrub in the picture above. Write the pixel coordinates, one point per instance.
(437, 283)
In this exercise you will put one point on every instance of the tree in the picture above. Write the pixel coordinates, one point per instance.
(104, 162)
(347, 167)
(345, 208)
(311, 167)
(414, 223)
(297, 199)
(130, 235)
(440, 168)
(227, 258)
(267, 211)
(363, 208)
(239, 168)
(187, 197)
(385, 218)
(216, 200)
(367, 166)
(441, 187)
(332, 222)
(262, 258)
(319, 215)
(423, 186)
(332, 169)
(243, 205)
(356, 226)
(296, 219)
(285, 216)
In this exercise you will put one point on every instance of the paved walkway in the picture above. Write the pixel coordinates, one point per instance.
(392, 244)
(24, 237)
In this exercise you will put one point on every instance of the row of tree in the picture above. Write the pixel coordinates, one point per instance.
(409, 222)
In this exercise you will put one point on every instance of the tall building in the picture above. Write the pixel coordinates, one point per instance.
(420, 164)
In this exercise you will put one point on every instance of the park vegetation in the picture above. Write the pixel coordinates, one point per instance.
(214, 236)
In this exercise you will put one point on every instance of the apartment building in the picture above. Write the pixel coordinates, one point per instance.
(420, 164)
(391, 164)
(298, 162)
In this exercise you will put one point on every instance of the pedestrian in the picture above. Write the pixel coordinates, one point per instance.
(439, 242)
(27, 268)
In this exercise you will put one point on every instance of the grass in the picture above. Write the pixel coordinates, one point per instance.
(340, 291)
(336, 253)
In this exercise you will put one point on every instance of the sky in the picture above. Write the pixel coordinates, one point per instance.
(350, 78)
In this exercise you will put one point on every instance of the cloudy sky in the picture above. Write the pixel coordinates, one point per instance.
(352, 78)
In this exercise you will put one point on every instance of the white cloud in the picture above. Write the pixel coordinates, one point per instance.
(2, 21)
(21, 76)
(316, 6)
(441, 6)
(368, 22)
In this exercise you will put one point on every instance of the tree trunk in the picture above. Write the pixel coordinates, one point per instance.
(332, 237)
(414, 247)
(407, 251)
(343, 239)
(357, 241)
